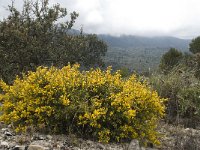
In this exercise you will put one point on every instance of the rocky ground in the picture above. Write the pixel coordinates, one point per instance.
(173, 138)
(179, 138)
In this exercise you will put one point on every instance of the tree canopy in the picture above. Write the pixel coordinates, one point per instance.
(195, 45)
(170, 59)
(36, 36)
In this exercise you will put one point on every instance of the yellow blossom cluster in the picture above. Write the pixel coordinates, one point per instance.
(96, 103)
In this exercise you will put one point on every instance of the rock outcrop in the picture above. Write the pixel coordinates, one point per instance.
(172, 138)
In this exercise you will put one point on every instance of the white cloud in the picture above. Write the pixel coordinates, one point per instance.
(141, 17)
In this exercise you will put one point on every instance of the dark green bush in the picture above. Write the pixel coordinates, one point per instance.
(195, 45)
(33, 37)
(170, 59)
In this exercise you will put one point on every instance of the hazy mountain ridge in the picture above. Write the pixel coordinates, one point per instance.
(129, 41)
(132, 41)
(139, 53)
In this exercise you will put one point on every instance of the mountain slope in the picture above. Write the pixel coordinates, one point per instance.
(128, 41)
(137, 53)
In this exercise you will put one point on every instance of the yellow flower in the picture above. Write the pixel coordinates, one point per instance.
(100, 102)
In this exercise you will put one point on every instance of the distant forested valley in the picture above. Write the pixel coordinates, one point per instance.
(138, 53)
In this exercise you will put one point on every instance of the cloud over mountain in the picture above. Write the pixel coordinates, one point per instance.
(137, 17)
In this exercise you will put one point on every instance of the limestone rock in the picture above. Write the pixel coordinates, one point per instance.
(17, 147)
(134, 145)
(4, 144)
(49, 137)
(7, 133)
(36, 147)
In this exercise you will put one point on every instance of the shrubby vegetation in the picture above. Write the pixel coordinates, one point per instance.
(170, 59)
(140, 54)
(34, 37)
(92, 103)
(179, 82)
(195, 45)
(97, 104)
(181, 87)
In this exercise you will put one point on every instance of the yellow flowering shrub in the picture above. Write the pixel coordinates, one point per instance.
(92, 103)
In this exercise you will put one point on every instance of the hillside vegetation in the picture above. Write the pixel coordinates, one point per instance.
(55, 80)
(33, 37)
(178, 80)
(42, 86)
(140, 53)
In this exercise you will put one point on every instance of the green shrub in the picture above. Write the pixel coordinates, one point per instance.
(91, 103)
(170, 59)
(182, 89)
(190, 100)
(194, 46)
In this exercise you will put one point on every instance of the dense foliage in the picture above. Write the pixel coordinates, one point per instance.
(92, 103)
(36, 36)
(140, 54)
(179, 82)
(170, 59)
(181, 87)
(195, 45)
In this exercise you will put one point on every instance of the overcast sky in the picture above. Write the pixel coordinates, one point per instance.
(179, 18)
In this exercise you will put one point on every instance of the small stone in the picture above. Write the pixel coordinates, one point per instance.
(89, 142)
(4, 129)
(76, 148)
(8, 133)
(49, 137)
(41, 138)
(100, 146)
(17, 147)
(12, 144)
(36, 147)
(4, 144)
(41, 143)
(134, 145)
(9, 126)
(187, 129)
